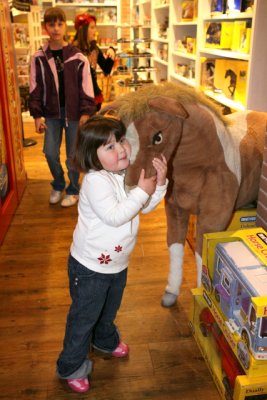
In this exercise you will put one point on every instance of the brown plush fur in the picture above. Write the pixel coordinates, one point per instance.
(133, 106)
(211, 168)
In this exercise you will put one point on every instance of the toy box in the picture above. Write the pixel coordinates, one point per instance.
(214, 348)
(233, 6)
(241, 219)
(207, 73)
(231, 77)
(241, 36)
(222, 363)
(217, 7)
(251, 388)
(234, 278)
(219, 34)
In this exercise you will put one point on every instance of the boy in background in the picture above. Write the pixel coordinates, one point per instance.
(61, 92)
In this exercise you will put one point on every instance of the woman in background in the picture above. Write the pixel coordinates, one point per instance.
(85, 25)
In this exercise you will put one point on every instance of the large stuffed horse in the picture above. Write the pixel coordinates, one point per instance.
(214, 161)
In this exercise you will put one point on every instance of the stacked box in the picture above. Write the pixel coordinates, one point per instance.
(234, 297)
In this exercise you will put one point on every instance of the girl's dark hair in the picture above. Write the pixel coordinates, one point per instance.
(82, 23)
(53, 14)
(91, 135)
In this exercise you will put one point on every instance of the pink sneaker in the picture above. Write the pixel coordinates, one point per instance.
(121, 351)
(79, 385)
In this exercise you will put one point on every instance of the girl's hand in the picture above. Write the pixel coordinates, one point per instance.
(40, 126)
(160, 166)
(83, 119)
(147, 184)
(110, 53)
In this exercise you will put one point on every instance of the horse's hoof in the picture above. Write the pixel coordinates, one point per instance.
(168, 299)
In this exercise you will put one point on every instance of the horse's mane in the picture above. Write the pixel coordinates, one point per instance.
(134, 105)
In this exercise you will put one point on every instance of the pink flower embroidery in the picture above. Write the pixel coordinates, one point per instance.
(104, 259)
(118, 248)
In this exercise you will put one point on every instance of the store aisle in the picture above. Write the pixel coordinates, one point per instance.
(164, 361)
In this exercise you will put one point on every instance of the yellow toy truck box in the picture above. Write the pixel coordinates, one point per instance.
(234, 279)
(226, 370)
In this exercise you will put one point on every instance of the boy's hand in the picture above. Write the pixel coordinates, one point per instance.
(160, 166)
(40, 126)
(147, 184)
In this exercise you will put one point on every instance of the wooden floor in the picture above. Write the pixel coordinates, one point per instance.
(164, 361)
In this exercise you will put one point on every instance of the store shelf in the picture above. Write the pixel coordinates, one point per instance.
(252, 65)
(107, 14)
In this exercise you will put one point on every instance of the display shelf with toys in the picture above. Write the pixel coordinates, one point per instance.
(135, 59)
(27, 37)
(215, 30)
(160, 39)
(107, 14)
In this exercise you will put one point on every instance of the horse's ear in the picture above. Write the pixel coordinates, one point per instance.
(169, 106)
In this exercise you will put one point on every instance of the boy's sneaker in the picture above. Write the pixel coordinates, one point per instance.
(55, 196)
(70, 200)
(79, 385)
(122, 350)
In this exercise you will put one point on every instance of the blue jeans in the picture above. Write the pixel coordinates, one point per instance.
(52, 144)
(96, 299)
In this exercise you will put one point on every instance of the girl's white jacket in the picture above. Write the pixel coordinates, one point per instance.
(108, 221)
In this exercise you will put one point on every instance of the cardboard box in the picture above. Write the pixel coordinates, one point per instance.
(231, 77)
(188, 10)
(250, 388)
(241, 36)
(245, 387)
(233, 6)
(206, 344)
(217, 7)
(207, 73)
(239, 310)
(219, 34)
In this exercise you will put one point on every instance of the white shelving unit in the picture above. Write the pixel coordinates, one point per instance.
(107, 14)
(27, 36)
(160, 39)
(256, 60)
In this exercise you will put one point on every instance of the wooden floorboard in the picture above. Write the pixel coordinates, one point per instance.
(164, 361)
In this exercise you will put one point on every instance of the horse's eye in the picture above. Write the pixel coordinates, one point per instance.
(157, 138)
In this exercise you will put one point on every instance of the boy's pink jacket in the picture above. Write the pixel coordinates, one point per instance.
(44, 87)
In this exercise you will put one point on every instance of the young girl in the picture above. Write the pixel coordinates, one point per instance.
(85, 25)
(103, 240)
